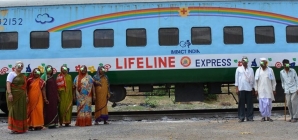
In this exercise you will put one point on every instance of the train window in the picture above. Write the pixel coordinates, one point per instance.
(168, 36)
(136, 37)
(292, 34)
(201, 35)
(71, 39)
(8, 40)
(233, 35)
(103, 38)
(39, 40)
(264, 34)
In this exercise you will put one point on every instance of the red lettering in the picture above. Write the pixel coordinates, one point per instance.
(130, 62)
(171, 62)
(125, 63)
(140, 63)
(162, 62)
(147, 63)
(155, 62)
(117, 64)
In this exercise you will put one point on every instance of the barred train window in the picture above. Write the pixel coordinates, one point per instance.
(71, 39)
(292, 34)
(233, 35)
(8, 40)
(136, 37)
(39, 40)
(103, 38)
(201, 35)
(168, 36)
(264, 34)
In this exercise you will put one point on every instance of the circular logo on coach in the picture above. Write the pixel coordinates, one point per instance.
(278, 65)
(185, 61)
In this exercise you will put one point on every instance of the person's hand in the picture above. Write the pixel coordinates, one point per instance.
(10, 97)
(46, 101)
(256, 93)
(237, 91)
(274, 92)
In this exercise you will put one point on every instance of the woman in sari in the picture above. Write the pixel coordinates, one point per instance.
(37, 97)
(16, 96)
(101, 96)
(64, 83)
(50, 110)
(83, 86)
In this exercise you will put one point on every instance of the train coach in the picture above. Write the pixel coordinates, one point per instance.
(188, 45)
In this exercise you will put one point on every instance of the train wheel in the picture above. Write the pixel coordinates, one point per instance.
(118, 93)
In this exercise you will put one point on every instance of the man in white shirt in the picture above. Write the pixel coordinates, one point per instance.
(265, 89)
(244, 82)
(289, 83)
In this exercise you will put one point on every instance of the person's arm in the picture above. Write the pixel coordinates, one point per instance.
(44, 95)
(273, 82)
(236, 80)
(8, 90)
(282, 80)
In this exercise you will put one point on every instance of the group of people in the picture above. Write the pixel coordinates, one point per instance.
(262, 84)
(40, 100)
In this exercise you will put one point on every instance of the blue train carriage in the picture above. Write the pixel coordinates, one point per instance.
(185, 44)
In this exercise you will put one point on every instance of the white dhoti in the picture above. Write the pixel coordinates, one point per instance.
(265, 106)
(292, 103)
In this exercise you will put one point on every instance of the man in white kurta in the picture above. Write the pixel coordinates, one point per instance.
(289, 82)
(244, 82)
(265, 89)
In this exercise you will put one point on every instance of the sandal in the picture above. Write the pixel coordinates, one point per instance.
(263, 119)
(294, 120)
(106, 123)
(15, 132)
(96, 123)
(269, 119)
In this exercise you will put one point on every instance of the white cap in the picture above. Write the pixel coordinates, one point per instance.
(263, 58)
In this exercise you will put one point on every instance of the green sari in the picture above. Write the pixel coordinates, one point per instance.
(66, 98)
(17, 117)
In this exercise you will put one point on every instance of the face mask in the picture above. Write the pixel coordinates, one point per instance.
(287, 65)
(37, 72)
(64, 68)
(49, 69)
(245, 60)
(20, 65)
(82, 68)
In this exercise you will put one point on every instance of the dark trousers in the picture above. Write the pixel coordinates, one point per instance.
(245, 97)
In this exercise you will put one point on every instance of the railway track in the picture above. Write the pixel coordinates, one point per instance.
(173, 114)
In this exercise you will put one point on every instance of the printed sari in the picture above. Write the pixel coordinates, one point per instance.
(17, 116)
(50, 110)
(84, 84)
(102, 94)
(35, 104)
(64, 83)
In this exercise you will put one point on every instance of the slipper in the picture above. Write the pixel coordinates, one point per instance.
(263, 119)
(289, 120)
(106, 123)
(269, 119)
(294, 120)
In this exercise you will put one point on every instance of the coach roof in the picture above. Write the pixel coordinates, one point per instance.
(15, 3)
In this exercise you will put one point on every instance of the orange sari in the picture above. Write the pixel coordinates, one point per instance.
(35, 104)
